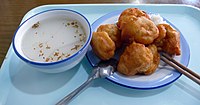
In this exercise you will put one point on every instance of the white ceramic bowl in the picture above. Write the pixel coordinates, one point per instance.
(48, 32)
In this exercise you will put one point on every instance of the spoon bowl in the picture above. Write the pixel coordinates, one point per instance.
(107, 68)
(102, 70)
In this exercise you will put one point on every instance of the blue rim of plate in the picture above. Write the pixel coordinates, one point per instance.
(185, 56)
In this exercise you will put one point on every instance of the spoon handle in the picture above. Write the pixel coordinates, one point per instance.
(69, 97)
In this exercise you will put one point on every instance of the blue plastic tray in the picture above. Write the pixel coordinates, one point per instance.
(20, 84)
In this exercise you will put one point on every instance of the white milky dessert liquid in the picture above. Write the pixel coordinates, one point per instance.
(53, 39)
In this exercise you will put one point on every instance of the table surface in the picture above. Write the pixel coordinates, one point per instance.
(13, 11)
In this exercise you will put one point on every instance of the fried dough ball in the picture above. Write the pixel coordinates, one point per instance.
(130, 12)
(156, 60)
(113, 33)
(140, 30)
(168, 40)
(102, 45)
(162, 33)
(136, 58)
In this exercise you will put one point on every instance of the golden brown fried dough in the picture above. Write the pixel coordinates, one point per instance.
(156, 60)
(113, 33)
(130, 12)
(140, 30)
(168, 40)
(102, 45)
(136, 30)
(135, 59)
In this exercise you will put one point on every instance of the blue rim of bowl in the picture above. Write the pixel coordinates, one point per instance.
(186, 62)
(57, 62)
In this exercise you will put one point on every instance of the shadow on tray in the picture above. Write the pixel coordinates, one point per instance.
(31, 81)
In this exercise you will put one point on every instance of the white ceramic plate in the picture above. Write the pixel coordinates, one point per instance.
(164, 74)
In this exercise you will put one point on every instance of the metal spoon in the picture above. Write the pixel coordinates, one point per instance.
(103, 69)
